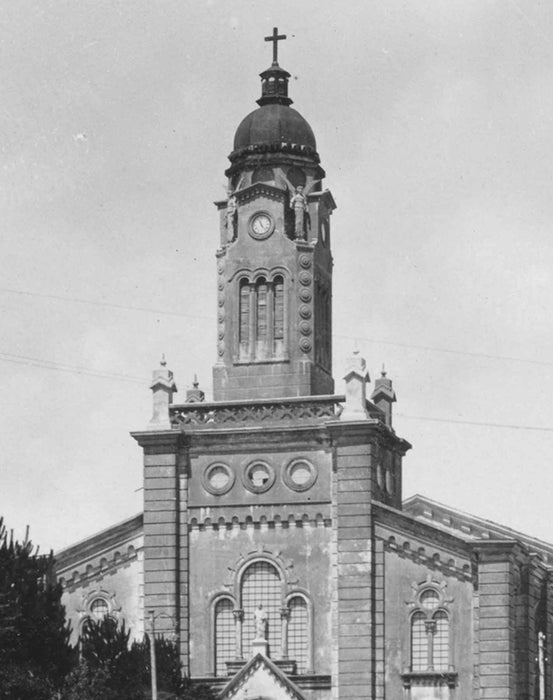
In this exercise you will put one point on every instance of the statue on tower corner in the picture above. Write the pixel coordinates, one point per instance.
(231, 214)
(298, 204)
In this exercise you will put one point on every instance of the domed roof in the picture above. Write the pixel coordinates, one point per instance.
(274, 124)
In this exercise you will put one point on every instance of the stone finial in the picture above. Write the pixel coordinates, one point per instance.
(163, 387)
(195, 394)
(384, 396)
(356, 378)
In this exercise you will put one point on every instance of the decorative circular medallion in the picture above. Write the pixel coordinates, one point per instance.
(218, 478)
(305, 345)
(258, 476)
(261, 225)
(221, 285)
(221, 316)
(220, 267)
(305, 311)
(221, 334)
(305, 328)
(305, 261)
(305, 278)
(305, 294)
(299, 475)
(221, 348)
(221, 300)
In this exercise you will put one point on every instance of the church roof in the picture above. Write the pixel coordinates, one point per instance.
(471, 527)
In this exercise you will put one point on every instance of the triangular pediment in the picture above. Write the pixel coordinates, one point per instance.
(260, 679)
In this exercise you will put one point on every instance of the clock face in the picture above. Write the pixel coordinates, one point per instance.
(261, 225)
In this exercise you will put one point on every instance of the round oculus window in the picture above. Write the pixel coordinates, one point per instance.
(261, 225)
(218, 478)
(300, 475)
(259, 477)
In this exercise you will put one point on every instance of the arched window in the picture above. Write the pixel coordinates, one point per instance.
(244, 313)
(429, 633)
(278, 311)
(261, 585)
(261, 319)
(225, 639)
(298, 633)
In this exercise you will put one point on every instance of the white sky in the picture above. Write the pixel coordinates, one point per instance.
(434, 121)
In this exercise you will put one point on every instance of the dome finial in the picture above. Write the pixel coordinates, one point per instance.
(275, 38)
(274, 80)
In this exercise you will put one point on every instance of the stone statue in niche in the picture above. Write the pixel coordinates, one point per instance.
(260, 619)
(298, 204)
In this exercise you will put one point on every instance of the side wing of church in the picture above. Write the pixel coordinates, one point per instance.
(274, 546)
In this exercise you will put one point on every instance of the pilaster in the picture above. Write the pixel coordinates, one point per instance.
(353, 575)
(497, 600)
(161, 530)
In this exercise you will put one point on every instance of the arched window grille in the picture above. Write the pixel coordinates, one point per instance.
(99, 609)
(261, 585)
(419, 643)
(298, 633)
(261, 318)
(429, 634)
(225, 638)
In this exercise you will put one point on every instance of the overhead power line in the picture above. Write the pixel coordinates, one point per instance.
(379, 341)
(87, 371)
(512, 426)
(62, 367)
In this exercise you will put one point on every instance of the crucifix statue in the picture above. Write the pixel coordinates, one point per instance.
(275, 38)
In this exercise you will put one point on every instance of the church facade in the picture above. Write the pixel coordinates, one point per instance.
(275, 546)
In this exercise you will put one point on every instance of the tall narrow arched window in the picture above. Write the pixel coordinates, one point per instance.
(441, 641)
(261, 585)
(225, 640)
(261, 315)
(245, 314)
(298, 633)
(278, 311)
(419, 643)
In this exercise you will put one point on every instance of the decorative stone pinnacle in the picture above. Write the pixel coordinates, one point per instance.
(163, 361)
(163, 387)
(356, 379)
(384, 396)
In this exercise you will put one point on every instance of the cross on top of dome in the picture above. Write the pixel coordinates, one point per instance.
(275, 37)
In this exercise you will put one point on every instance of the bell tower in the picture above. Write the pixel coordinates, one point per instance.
(274, 262)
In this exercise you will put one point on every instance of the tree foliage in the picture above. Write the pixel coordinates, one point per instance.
(110, 669)
(35, 653)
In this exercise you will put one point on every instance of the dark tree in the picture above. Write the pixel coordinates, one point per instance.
(35, 653)
(112, 670)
